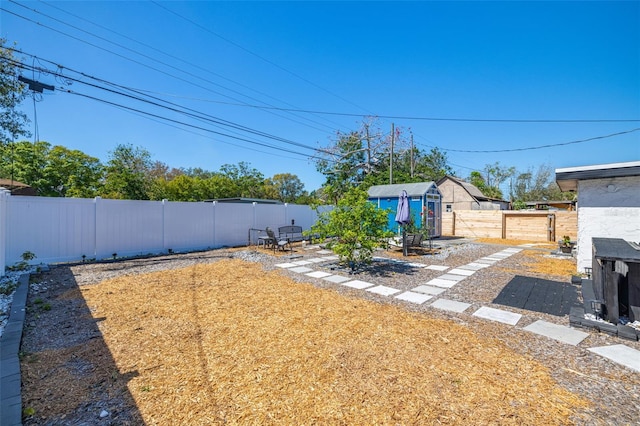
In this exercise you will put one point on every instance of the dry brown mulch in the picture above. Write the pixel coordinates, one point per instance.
(229, 342)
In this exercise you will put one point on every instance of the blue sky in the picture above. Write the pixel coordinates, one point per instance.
(516, 67)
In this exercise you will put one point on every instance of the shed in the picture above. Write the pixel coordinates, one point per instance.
(424, 202)
(458, 194)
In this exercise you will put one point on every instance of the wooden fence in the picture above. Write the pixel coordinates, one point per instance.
(518, 225)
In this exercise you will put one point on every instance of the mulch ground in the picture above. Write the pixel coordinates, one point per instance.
(232, 343)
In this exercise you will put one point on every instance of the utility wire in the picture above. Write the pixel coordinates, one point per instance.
(280, 67)
(530, 148)
(174, 107)
(179, 122)
(147, 57)
(293, 107)
(460, 119)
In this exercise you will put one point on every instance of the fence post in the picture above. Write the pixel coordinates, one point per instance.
(551, 227)
(164, 224)
(4, 196)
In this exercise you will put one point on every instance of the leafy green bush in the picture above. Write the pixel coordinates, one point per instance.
(354, 229)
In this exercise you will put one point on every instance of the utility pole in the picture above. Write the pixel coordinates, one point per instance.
(411, 158)
(366, 131)
(393, 135)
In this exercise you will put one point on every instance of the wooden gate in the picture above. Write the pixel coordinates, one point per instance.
(528, 226)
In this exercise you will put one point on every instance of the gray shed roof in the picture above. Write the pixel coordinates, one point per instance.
(567, 178)
(413, 189)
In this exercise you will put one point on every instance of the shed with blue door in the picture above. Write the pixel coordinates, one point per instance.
(424, 203)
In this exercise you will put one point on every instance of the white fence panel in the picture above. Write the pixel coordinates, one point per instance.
(66, 229)
(188, 226)
(269, 215)
(232, 223)
(128, 228)
(300, 215)
(54, 229)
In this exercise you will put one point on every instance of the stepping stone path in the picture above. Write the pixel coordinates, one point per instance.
(430, 291)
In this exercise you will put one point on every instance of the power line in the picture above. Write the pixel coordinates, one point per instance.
(543, 146)
(293, 109)
(454, 119)
(280, 67)
(150, 58)
(173, 107)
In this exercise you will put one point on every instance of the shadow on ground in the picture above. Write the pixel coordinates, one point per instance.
(69, 375)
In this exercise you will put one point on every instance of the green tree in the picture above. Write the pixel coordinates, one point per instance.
(127, 174)
(352, 159)
(354, 228)
(12, 93)
(285, 187)
(72, 173)
(489, 182)
(220, 186)
(52, 171)
(25, 162)
(538, 186)
(249, 182)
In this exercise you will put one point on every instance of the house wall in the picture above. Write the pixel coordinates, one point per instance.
(608, 208)
(66, 229)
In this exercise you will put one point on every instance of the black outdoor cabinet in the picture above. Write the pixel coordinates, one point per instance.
(616, 278)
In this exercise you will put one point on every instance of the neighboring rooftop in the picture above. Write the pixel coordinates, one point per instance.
(416, 189)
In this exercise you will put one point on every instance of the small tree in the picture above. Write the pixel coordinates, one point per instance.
(355, 228)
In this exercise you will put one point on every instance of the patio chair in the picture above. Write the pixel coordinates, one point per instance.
(278, 243)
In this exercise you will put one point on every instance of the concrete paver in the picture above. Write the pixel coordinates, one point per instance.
(383, 290)
(427, 289)
(337, 279)
(557, 332)
(318, 274)
(452, 277)
(498, 315)
(439, 282)
(458, 271)
(450, 305)
(438, 267)
(412, 297)
(620, 354)
(357, 284)
(301, 269)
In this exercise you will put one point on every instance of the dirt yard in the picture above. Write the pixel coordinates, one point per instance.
(224, 338)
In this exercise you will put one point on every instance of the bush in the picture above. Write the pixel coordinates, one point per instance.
(354, 229)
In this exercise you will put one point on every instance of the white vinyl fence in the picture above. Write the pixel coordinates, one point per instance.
(72, 229)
